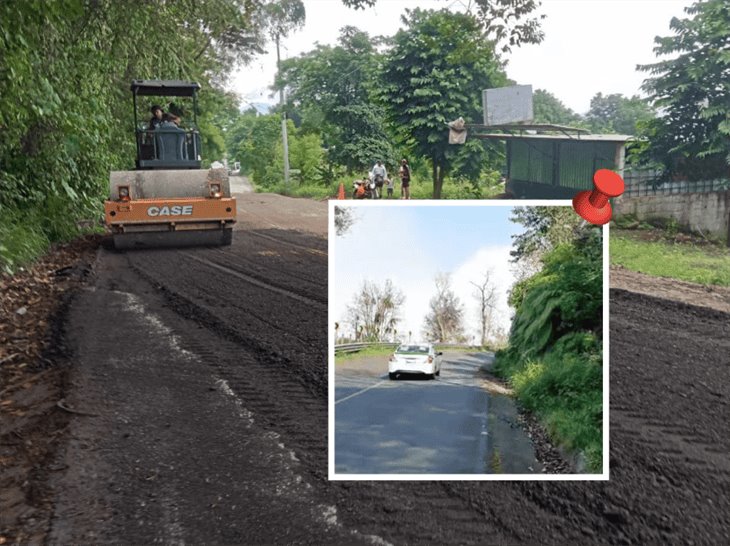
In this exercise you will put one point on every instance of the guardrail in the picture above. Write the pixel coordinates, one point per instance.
(355, 347)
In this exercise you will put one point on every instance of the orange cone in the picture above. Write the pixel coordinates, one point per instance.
(341, 191)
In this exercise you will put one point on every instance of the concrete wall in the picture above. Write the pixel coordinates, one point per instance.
(708, 212)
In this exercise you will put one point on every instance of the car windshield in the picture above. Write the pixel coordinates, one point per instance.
(413, 349)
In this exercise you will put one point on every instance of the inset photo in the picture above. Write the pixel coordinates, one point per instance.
(467, 341)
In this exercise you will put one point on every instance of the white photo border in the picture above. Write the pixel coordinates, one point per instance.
(334, 476)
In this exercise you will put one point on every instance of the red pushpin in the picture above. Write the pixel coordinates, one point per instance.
(593, 206)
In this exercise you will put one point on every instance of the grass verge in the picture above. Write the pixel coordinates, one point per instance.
(368, 351)
(707, 264)
(564, 388)
(26, 234)
(419, 190)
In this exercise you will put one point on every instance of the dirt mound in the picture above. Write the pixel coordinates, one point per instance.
(716, 297)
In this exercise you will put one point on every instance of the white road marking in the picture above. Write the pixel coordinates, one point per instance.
(360, 392)
(135, 305)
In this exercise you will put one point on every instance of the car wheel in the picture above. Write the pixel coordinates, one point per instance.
(438, 372)
(391, 375)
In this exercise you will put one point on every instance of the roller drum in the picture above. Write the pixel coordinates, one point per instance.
(167, 184)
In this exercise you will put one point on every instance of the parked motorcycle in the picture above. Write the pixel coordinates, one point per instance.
(365, 189)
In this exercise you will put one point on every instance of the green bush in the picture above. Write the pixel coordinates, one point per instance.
(452, 189)
(564, 387)
(554, 357)
(25, 234)
(312, 191)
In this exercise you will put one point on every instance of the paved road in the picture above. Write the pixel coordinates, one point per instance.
(450, 425)
(240, 184)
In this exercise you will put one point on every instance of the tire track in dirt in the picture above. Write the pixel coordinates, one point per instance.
(266, 352)
(277, 388)
(257, 282)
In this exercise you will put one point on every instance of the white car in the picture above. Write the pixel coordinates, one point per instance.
(415, 358)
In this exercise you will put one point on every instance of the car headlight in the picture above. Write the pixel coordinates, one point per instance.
(124, 193)
(215, 190)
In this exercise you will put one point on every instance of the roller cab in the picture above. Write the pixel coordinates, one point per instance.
(168, 200)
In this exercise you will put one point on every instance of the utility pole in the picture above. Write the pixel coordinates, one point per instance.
(284, 137)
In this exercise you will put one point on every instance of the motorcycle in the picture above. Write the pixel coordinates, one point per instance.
(365, 189)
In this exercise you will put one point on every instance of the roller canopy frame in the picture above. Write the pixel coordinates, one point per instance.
(164, 88)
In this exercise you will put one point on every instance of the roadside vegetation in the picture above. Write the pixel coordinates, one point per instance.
(67, 65)
(65, 109)
(665, 251)
(554, 357)
(364, 353)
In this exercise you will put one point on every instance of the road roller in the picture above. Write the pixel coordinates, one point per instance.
(169, 200)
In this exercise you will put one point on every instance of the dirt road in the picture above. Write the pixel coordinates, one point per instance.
(195, 398)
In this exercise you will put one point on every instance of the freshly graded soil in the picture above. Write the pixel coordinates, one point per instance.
(199, 382)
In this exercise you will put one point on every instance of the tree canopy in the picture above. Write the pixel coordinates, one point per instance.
(64, 91)
(330, 88)
(435, 72)
(617, 114)
(547, 108)
(692, 90)
(375, 311)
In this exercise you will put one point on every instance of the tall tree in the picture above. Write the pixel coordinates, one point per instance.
(617, 114)
(332, 88)
(544, 229)
(344, 219)
(374, 314)
(508, 22)
(444, 321)
(549, 109)
(485, 294)
(692, 90)
(435, 72)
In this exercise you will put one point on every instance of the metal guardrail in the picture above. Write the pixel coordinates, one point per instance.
(355, 347)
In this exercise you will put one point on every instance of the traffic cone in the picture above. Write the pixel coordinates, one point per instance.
(341, 191)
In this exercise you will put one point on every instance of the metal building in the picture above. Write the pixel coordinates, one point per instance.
(556, 166)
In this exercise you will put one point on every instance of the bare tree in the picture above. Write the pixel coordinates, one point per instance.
(444, 321)
(374, 313)
(486, 295)
(344, 218)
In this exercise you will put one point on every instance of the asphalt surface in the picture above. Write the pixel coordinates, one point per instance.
(198, 382)
(448, 425)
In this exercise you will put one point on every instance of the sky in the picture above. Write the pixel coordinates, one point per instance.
(410, 245)
(590, 46)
